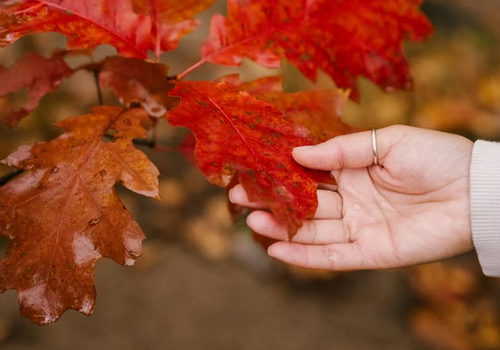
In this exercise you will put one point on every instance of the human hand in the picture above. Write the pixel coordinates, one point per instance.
(412, 208)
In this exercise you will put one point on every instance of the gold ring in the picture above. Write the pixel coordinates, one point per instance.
(374, 146)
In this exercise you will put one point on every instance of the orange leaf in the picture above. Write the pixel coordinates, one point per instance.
(35, 73)
(344, 38)
(236, 132)
(64, 214)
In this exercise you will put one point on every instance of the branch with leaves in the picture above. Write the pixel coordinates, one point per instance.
(241, 131)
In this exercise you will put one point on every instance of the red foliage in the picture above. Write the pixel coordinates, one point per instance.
(62, 213)
(344, 38)
(237, 132)
(319, 111)
(35, 73)
(155, 25)
(170, 20)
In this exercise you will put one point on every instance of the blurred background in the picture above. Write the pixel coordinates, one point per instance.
(202, 283)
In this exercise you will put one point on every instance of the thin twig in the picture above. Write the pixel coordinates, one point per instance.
(146, 143)
(165, 149)
(6, 178)
(154, 133)
(143, 142)
(98, 87)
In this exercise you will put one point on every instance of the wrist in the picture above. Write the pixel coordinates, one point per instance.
(485, 204)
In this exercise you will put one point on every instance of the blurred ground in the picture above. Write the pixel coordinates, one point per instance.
(203, 284)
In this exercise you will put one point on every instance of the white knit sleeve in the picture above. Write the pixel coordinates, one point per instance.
(485, 204)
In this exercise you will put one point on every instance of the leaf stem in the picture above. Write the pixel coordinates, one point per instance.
(157, 28)
(192, 68)
(6, 178)
(98, 87)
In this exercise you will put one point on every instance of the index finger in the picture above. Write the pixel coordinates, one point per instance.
(346, 151)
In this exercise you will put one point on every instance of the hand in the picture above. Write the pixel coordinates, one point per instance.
(412, 208)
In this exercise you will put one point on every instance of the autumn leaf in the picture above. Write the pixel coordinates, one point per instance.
(88, 23)
(236, 132)
(345, 38)
(38, 75)
(63, 214)
(319, 111)
(140, 82)
(170, 19)
(187, 146)
(235, 210)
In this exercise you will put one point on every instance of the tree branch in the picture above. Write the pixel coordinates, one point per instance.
(6, 178)
(147, 143)
(98, 87)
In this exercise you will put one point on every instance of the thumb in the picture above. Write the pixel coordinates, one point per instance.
(346, 151)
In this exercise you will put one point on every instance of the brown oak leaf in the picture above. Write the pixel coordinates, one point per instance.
(138, 81)
(63, 213)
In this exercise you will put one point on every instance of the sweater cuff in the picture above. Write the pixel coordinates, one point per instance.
(485, 204)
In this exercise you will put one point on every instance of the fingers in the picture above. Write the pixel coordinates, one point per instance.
(312, 232)
(329, 205)
(346, 151)
(329, 202)
(238, 195)
(337, 257)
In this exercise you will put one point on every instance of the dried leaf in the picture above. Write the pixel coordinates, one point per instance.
(64, 214)
(236, 132)
(38, 75)
(346, 38)
(136, 81)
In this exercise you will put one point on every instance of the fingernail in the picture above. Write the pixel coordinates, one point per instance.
(231, 195)
(302, 148)
(270, 251)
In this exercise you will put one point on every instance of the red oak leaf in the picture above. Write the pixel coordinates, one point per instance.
(138, 81)
(236, 132)
(344, 38)
(88, 23)
(319, 111)
(235, 210)
(64, 214)
(187, 147)
(170, 19)
(35, 73)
